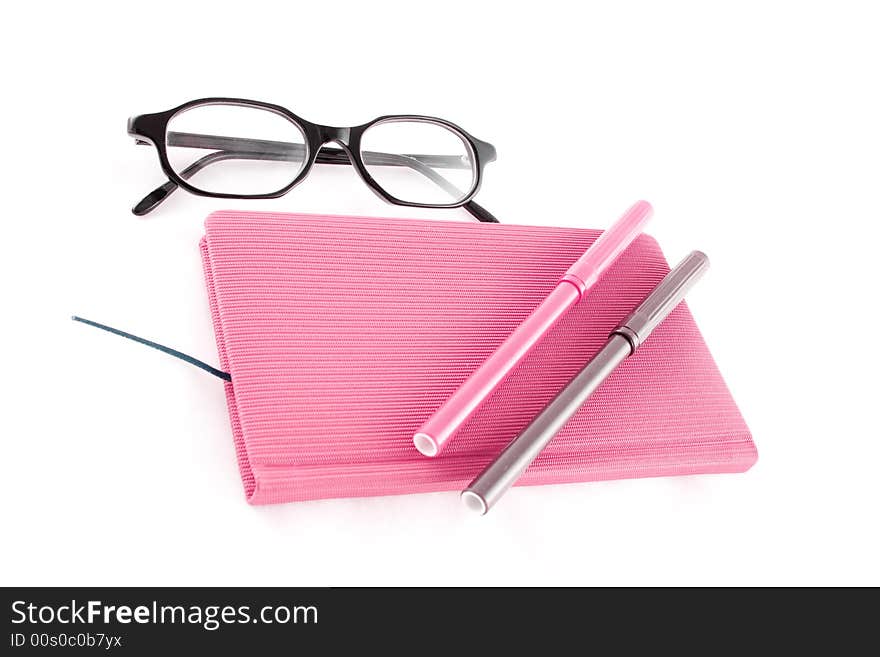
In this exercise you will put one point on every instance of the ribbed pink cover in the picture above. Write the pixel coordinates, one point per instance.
(342, 334)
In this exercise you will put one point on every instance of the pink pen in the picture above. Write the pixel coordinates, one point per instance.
(580, 277)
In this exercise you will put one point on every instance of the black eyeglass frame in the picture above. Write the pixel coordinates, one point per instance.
(152, 129)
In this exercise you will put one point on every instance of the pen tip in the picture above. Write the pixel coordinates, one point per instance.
(425, 444)
(474, 502)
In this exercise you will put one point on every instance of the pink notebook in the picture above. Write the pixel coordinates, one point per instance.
(343, 334)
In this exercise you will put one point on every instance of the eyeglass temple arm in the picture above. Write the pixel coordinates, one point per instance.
(338, 156)
(260, 149)
(480, 213)
(149, 202)
(284, 151)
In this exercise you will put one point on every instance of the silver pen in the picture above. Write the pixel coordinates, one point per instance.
(484, 491)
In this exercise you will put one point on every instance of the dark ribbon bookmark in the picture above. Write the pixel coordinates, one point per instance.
(155, 345)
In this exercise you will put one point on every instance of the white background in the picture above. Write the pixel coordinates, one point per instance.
(752, 127)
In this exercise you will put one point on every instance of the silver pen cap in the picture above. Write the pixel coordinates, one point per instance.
(639, 324)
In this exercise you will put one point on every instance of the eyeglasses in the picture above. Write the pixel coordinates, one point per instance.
(235, 148)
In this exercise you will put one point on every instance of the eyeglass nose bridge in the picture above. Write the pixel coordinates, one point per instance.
(341, 154)
(328, 133)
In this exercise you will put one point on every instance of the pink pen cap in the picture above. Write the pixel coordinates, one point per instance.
(442, 426)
